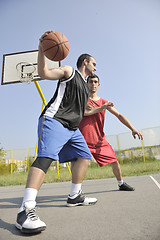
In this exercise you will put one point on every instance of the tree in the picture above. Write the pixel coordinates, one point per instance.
(2, 154)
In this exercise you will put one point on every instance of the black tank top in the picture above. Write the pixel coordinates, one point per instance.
(69, 101)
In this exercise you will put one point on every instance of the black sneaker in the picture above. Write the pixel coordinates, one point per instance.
(80, 200)
(28, 221)
(126, 187)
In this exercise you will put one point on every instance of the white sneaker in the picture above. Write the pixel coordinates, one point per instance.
(28, 221)
(80, 200)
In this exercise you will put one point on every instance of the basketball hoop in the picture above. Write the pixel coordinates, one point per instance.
(25, 71)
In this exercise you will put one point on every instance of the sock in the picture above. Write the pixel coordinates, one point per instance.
(75, 188)
(30, 194)
(120, 183)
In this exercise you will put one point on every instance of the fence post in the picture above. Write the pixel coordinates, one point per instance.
(119, 150)
(144, 158)
(58, 168)
(11, 161)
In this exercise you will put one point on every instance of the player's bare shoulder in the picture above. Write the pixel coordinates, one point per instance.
(67, 70)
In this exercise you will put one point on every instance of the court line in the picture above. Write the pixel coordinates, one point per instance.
(154, 180)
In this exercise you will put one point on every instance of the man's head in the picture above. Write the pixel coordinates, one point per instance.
(93, 83)
(87, 62)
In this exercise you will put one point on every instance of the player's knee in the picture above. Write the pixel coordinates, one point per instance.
(42, 163)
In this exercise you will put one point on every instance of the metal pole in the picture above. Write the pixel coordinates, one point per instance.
(11, 161)
(40, 93)
(144, 158)
(58, 168)
(69, 168)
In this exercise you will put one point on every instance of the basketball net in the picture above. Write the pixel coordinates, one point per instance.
(25, 72)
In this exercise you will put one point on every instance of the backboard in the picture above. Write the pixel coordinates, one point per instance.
(10, 61)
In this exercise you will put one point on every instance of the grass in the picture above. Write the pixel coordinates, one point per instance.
(93, 172)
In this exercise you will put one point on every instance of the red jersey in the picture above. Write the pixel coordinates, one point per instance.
(92, 126)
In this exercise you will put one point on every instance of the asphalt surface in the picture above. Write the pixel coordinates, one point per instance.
(116, 216)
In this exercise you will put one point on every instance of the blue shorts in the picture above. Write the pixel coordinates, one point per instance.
(60, 143)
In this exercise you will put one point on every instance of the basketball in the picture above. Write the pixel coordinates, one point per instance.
(55, 46)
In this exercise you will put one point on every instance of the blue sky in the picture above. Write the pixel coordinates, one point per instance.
(122, 35)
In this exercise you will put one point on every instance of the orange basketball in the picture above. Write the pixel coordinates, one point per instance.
(55, 46)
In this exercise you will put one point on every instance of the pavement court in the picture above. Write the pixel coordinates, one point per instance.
(118, 215)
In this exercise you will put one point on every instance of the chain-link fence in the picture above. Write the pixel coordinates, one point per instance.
(125, 146)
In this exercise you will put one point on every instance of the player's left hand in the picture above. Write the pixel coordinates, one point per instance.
(139, 134)
(108, 105)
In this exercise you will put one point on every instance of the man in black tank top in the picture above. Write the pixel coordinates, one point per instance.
(72, 95)
(59, 136)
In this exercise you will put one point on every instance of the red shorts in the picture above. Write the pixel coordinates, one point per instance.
(103, 154)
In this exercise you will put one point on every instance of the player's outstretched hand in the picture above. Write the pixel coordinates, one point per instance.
(107, 105)
(139, 134)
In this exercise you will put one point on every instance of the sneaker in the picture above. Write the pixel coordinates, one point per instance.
(126, 187)
(80, 200)
(28, 221)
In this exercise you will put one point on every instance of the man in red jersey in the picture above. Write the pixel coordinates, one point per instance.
(92, 126)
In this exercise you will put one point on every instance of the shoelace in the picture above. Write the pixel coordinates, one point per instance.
(31, 213)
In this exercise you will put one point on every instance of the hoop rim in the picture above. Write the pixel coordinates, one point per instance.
(25, 63)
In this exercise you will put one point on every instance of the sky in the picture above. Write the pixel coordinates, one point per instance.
(122, 35)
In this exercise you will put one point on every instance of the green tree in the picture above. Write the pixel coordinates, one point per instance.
(2, 154)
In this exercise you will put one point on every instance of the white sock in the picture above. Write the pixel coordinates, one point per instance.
(75, 188)
(120, 183)
(30, 194)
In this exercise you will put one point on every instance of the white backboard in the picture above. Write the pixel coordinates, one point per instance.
(10, 61)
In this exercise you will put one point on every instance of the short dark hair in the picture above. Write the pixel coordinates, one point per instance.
(91, 77)
(81, 59)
